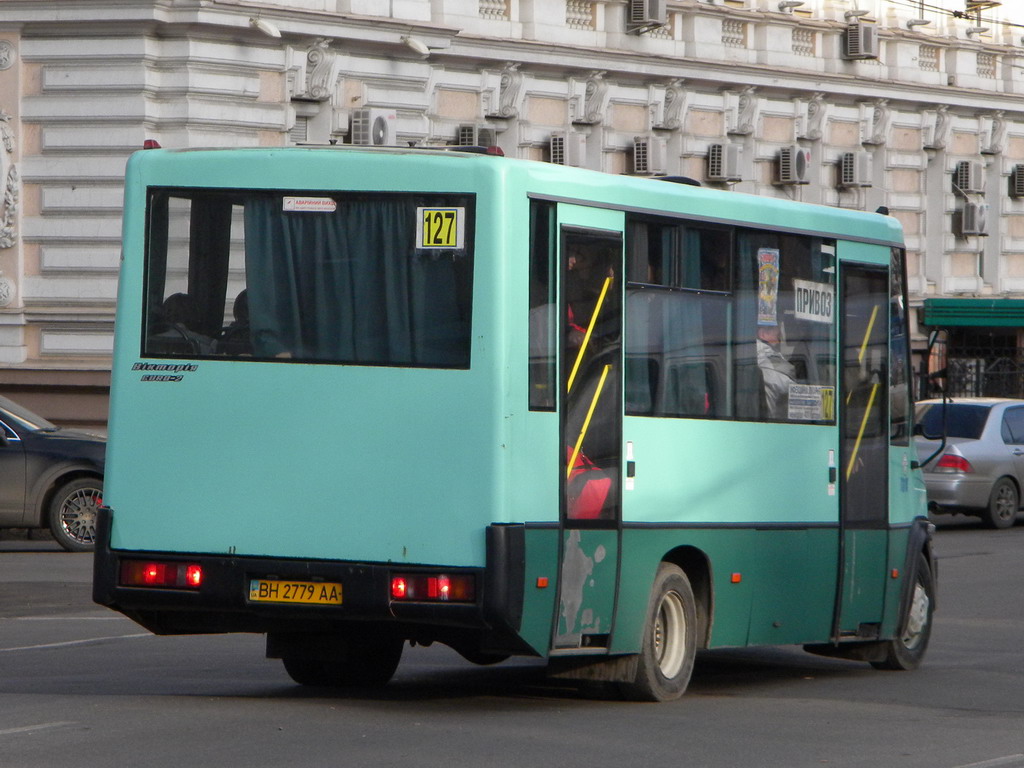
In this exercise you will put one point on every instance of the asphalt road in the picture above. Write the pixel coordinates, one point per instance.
(81, 686)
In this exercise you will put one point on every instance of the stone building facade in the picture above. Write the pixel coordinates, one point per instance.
(914, 106)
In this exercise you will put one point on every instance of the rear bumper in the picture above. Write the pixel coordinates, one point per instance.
(956, 491)
(222, 603)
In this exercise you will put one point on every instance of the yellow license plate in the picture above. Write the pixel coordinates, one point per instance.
(303, 592)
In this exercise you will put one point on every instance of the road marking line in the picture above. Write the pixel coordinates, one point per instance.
(74, 642)
(999, 761)
(40, 727)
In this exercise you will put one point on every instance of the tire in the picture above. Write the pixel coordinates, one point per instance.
(72, 514)
(1003, 504)
(362, 662)
(666, 657)
(907, 649)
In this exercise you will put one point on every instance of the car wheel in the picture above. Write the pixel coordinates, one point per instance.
(355, 662)
(670, 639)
(72, 514)
(1003, 504)
(906, 651)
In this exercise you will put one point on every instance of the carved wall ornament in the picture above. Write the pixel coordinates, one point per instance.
(940, 128)
(320, 70)
(997, 134)
(746, 112)
(674, 111)
(877, 128)
(594, 98)
(817, 109)
(9, 208)
(509, 90)
(7, 54)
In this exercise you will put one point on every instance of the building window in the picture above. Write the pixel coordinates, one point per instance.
(987, 66)
(734, 33)
(803, 42)
(494, 9)
(579, 14)
(928, 58)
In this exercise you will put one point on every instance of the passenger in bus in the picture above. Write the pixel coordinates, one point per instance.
(234, 339)
(776, 371)
(181, 319)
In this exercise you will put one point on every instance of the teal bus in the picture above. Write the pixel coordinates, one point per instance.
(365, 397)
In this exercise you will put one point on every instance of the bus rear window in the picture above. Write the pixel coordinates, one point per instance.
(365, 279)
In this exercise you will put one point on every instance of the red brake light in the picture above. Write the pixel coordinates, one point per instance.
(442, 588)
(952, 463)
(399, 587)
(143, 573)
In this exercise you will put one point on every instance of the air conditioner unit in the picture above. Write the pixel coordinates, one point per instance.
(724, 162)
(854, 170)
(1017, 181)
(475, 136)
(794, 165)
(649, 155)
(860, 41)
(969, 176)
(974, 219)
(645, 15)
(373, 127)
(568, 148)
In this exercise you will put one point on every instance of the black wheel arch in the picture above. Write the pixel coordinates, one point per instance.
(697, 567)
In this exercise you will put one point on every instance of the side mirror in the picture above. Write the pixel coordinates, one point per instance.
(938, 344)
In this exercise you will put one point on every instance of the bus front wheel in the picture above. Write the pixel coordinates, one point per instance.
(670, 639)
(353, 662)
(906, 650)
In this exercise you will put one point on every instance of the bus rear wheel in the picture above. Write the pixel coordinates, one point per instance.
(669, 646)
(907, 649)
(352, 662)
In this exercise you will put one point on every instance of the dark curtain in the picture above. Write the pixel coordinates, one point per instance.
(349, 286)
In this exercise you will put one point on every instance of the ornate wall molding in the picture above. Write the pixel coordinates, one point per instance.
(595, 97)
(814, 121)
(673, 113)
(994, 138)
(744, 113)
(937, 127)
(320, 70)
(876, 122)
(9, 207)
(509, 91)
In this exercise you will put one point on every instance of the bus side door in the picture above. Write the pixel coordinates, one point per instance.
(590, 410)
(863, 450)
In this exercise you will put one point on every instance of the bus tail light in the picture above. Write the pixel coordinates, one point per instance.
(422, 587)
(161, 575)
(953, 463)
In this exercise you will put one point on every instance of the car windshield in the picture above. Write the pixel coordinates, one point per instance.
(25, 417)
(963, 419)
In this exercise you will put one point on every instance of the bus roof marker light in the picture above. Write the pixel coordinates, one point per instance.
(151, 144)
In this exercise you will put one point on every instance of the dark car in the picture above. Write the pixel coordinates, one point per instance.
(49, 477)
(980, 471)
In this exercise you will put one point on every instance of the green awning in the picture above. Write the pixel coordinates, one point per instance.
(996, 313)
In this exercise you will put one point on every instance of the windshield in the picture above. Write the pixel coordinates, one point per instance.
(369, 279)
(963, 419)
(24, 417)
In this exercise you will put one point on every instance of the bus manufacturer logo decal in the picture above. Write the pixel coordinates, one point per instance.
(164, 371)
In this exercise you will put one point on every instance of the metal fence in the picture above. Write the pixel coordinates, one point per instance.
(986, 372)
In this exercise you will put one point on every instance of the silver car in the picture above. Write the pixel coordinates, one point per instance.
(981, 469)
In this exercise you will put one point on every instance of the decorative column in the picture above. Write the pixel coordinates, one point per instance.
(12, 318)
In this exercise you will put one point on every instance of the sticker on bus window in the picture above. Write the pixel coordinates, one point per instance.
(813, 301)
(810, 402)
(441, 228)
(311, 204)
